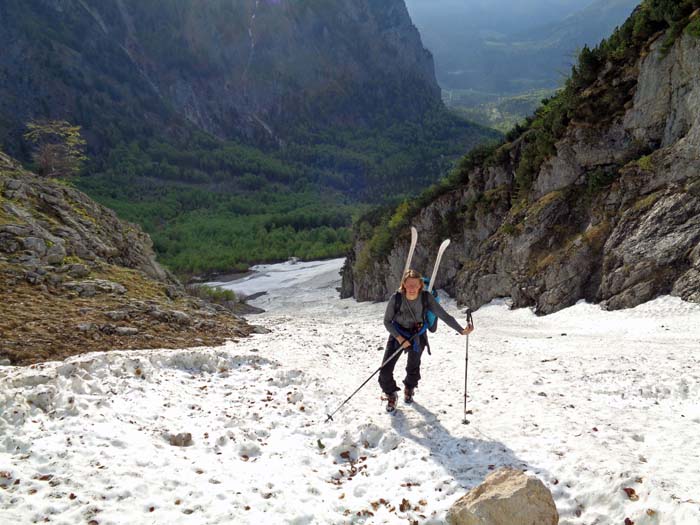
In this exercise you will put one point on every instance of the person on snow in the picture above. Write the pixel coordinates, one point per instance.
(404, 317)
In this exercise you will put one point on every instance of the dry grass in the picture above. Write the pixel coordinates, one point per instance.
(38, 324)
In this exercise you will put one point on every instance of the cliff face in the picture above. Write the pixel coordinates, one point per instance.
(255, 68)
(75, 278)
(635, 240)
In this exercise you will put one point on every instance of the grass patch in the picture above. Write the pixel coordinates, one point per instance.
(645, 163)
(511, 229)
(543, 202)
(137, 285)
(647, 202)
(693, 28)
(595, 236)
(213, 294)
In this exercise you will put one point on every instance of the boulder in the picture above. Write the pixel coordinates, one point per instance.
(183, 439)
(78, 271)
(91, 287)
(117, 315)
(56, 254)
(35, 245)
(506, 497)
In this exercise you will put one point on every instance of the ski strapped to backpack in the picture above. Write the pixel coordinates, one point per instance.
(414, 241)
(430, 316)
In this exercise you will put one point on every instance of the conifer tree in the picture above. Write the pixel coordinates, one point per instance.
(59, 148)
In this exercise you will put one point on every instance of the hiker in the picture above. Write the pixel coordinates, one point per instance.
(404, 322)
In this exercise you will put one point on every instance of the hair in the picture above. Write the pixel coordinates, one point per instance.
(408, 274)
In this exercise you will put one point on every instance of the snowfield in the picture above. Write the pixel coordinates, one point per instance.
(604, 407)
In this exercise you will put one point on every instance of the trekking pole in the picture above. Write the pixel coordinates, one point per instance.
(470, 324)
(330, 416)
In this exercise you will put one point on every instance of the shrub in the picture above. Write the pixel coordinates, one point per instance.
(212, 294)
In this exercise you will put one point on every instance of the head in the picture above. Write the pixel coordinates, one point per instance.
(411, 282)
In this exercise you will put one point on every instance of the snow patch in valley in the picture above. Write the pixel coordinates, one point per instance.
(592, 402)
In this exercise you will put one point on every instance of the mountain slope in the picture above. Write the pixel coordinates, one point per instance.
(249, 68)
(597, 198)
(74, 278)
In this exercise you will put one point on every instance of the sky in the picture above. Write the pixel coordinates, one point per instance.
(593, 403)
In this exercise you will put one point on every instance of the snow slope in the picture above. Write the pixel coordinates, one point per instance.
(592, 402)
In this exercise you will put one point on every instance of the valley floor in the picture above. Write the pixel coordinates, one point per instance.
(591, 402)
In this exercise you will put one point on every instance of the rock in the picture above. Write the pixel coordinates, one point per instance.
(35, 245)
(78, 271)
(204, 324)
(56, 254)
(180, 317)
(13, 185)
(29, 260)
(117, 315)
(92, 287)
(108, 329)
(126, 330)
(506, 497)
(242, 308)
(257, 329)
(159, 314)
(83, 289)
(86, 327)
(34, 278)
(54, 279)
(184, 439)
(174, 292)
(170, 316)
(5, 362)
(8, 243)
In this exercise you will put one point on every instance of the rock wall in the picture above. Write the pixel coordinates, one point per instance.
(252, 68)
(635, 240)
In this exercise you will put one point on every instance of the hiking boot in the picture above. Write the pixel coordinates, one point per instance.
(391, 401)
(408, 395)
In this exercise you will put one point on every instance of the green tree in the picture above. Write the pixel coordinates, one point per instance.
(59, 148)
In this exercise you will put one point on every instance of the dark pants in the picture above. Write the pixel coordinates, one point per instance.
(386, 375)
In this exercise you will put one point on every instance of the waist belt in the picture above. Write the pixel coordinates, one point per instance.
(408, 335)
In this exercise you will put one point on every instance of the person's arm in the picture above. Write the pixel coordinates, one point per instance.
(389, 317)
(442, 314)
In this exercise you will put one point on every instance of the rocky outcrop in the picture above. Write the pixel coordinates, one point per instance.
(506, 497)
(75, 278)
(44, 223)
(619, 244)
(252, 67)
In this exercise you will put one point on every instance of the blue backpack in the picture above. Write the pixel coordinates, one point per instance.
(430, 317)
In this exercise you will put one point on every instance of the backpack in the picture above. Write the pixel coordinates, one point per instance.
(429, 318)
